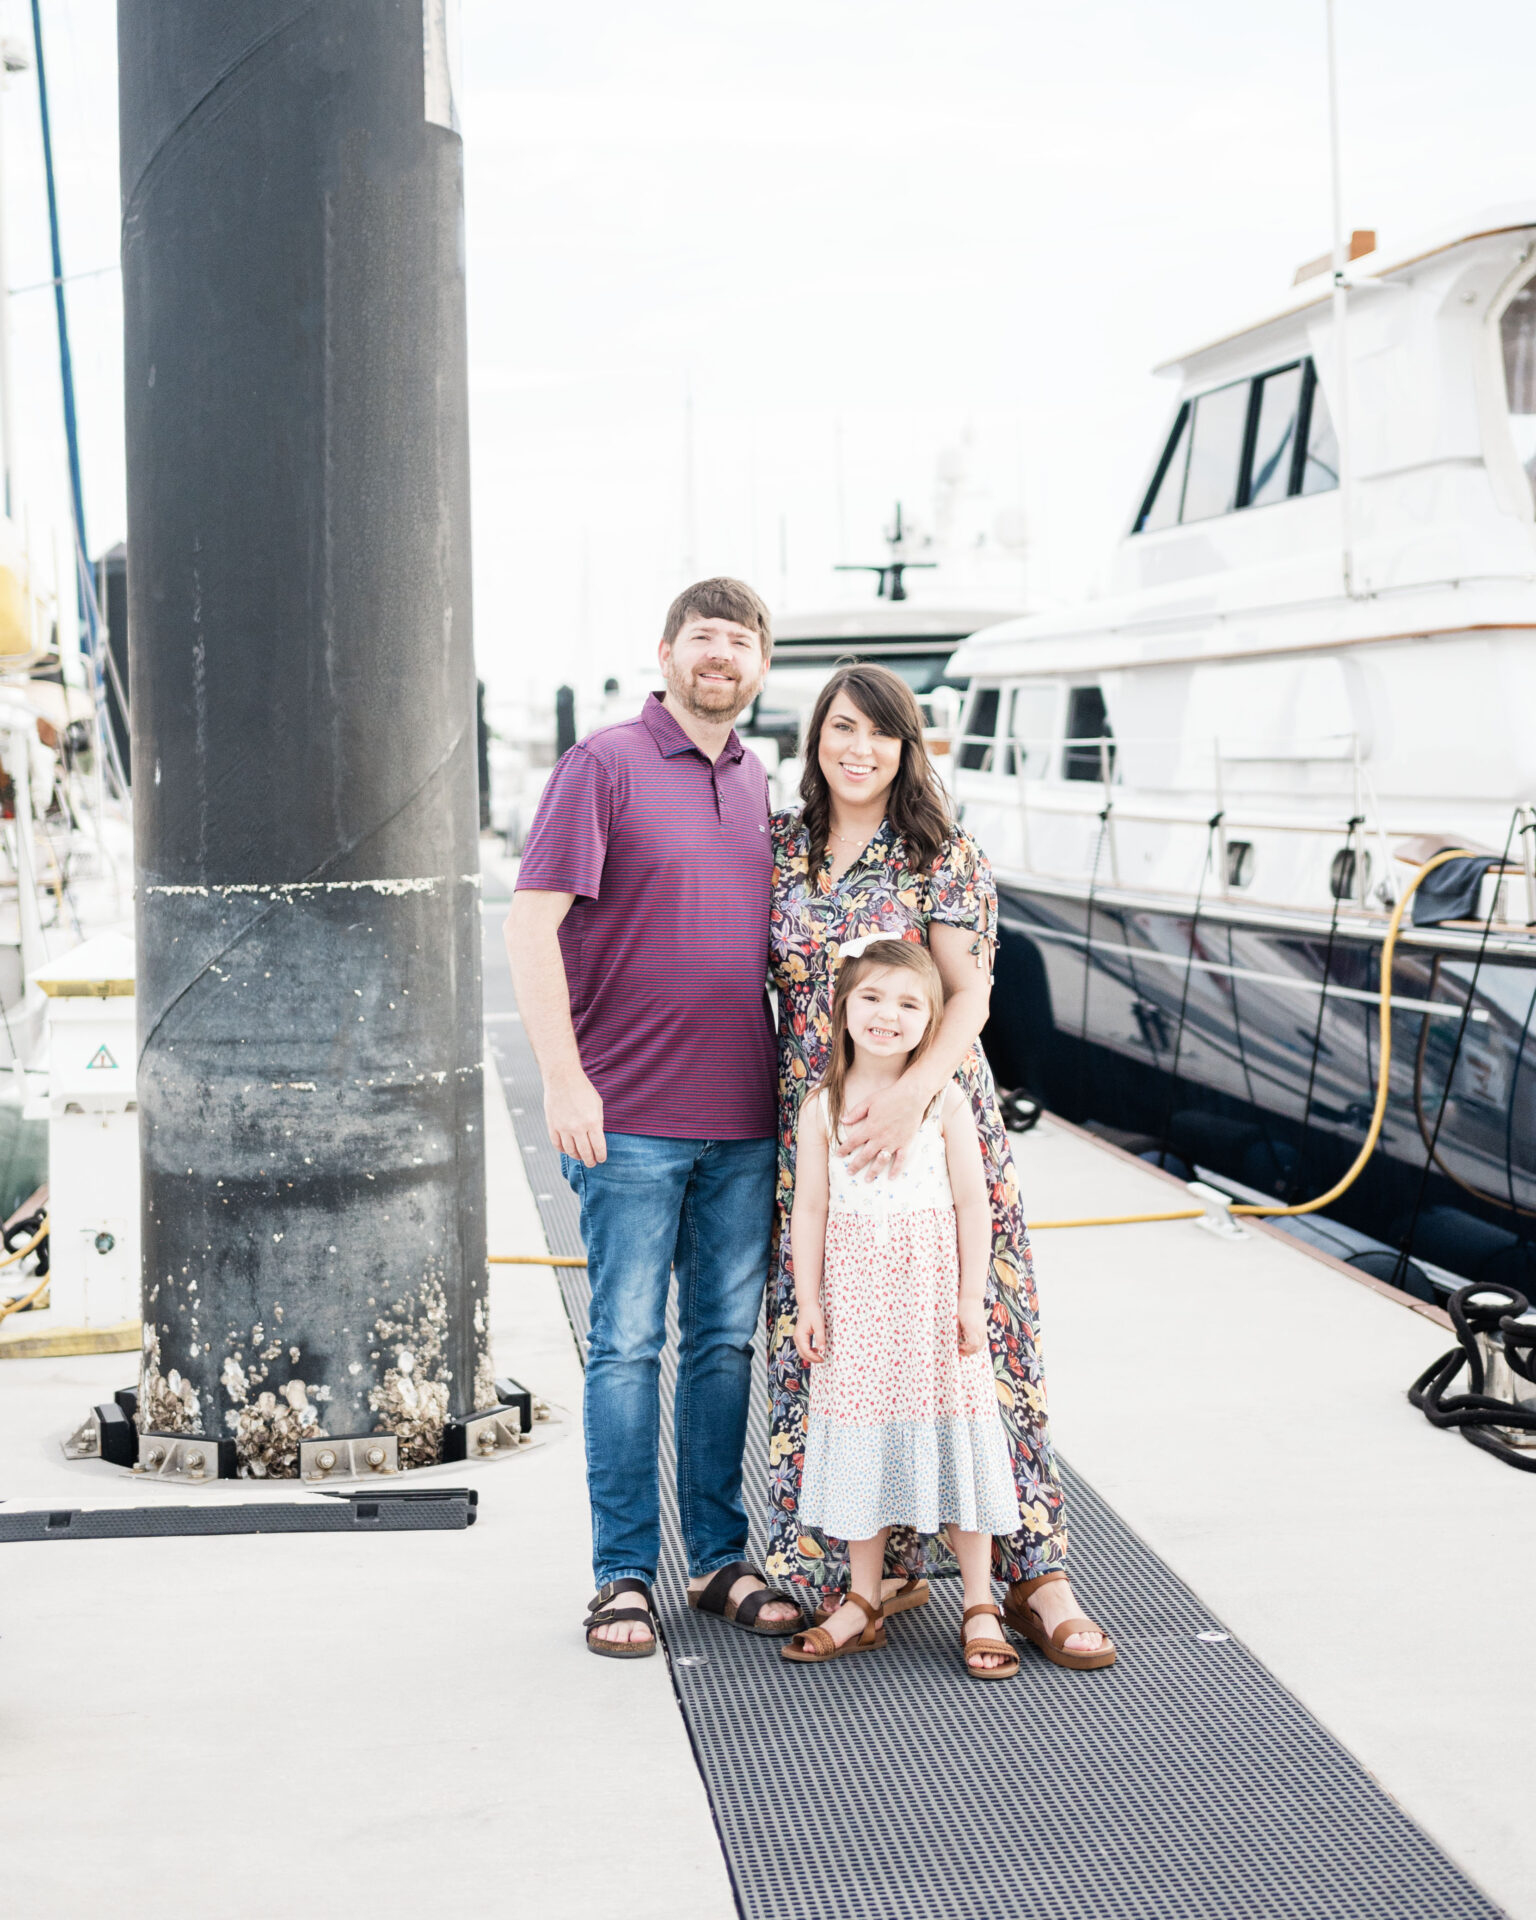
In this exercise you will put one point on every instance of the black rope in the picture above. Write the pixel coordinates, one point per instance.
(1401, 1268)
(1295, 1190)
(1509, 1113)
(1242, 1056)
(1082, 1032)
(1522, 1214)
(1476, 1415)
(1189, 968)
(1143, 1008)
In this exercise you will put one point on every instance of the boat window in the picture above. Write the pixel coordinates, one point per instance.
(1033, 727)
(1517, 331)
(1166, 493)
(1274, 439)
(1258, 441)
(980, 730)
(1216, 452)
(1320, 470)
(1087, 725)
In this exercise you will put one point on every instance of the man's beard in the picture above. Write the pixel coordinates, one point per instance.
(715, 703)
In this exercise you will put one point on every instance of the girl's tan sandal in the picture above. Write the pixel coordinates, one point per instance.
(1022, 1617)
(968, 1648)
(815, 1644)
(903, 1600)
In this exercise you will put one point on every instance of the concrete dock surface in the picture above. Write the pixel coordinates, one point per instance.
(411, 1722)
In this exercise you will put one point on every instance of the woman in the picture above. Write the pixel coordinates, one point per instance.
(874, 847)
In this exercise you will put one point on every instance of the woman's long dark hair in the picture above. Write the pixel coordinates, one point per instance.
(917, 806)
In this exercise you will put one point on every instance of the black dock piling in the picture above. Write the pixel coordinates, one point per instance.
(304, 748)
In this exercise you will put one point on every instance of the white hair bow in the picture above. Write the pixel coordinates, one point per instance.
(851, 949)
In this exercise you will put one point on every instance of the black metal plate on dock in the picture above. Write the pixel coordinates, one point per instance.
(403, 1510)
(1183, 1784)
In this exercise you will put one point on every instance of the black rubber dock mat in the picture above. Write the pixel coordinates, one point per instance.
(1185, 1783)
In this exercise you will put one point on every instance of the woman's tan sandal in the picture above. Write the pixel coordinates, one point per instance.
(815, 1644)
(970, 1648)
(1022, 1617)
(903, 1600)
(716, 1599)
(601, 1614)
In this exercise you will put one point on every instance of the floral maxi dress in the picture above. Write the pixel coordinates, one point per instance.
(811, 916)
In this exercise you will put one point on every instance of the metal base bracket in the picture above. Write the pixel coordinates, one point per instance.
(107, 1433)
(184, 1456)
(493, 1433)
(501, 1430)
(364, 1456)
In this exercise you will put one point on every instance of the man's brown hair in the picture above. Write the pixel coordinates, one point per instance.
(720, 599)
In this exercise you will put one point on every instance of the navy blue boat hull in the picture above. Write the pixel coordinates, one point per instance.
(1226, 1064)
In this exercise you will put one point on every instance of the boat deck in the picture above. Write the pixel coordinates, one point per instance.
(411, 1720)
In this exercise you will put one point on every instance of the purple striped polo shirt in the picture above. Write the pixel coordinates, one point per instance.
(666, 943)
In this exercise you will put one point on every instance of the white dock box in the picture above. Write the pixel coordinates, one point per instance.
(93, 1134)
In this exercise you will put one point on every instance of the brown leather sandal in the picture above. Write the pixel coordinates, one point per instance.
(1022, 1617)
(903, 1600)
(600, 1613)
(1003, 1647)
(815, 1644)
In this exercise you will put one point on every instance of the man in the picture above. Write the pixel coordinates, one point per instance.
(638, 939)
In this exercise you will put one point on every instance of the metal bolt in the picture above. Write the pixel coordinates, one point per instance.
(195, 1462)
(375, 1456)
(485, 1439)
(156, 1456)
(325, 1461)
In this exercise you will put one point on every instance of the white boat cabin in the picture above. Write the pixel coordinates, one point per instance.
(1283, 654)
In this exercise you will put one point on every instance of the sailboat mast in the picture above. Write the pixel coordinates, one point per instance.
(66, 362)
(1340, 318)
(12, 60)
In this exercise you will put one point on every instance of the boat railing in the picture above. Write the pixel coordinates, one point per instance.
(1022, 754)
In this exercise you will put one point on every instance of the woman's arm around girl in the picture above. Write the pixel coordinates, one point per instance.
(973, 1216)
(808, 1230)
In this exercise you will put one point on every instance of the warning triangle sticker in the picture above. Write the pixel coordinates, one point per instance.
(100, 1058)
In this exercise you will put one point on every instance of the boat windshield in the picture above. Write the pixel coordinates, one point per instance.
(1518, 332)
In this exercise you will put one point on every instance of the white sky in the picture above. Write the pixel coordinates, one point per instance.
(863, 235)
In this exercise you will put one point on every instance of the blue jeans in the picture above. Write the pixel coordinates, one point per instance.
(705, 1208)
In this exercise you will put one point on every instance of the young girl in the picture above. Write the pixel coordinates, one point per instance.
(890, 1287)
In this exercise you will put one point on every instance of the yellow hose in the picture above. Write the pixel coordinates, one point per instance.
(26, 1299)
(1251, 1208)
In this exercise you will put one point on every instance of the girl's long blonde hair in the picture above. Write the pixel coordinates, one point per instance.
(908, 956)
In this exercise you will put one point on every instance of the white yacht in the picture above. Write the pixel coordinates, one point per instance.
(1203, 793)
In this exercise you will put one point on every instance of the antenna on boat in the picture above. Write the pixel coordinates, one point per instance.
(891, 585)
(1341, 256)
(12, 60)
